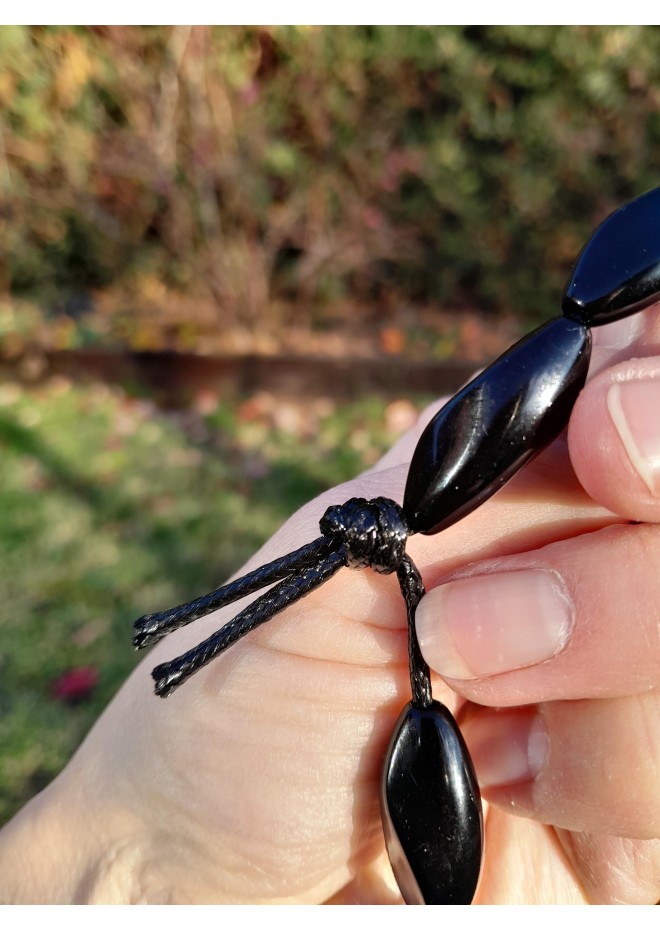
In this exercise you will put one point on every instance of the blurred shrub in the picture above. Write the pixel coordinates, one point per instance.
(281, 169)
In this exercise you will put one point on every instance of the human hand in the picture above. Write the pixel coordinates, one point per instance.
(557, 652)
(258, 780)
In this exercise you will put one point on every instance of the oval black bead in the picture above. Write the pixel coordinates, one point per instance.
(431, 809)
(618, 271)
(495, 425)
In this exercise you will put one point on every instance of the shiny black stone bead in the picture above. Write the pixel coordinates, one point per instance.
(431, 809)
(495, 425)
(618, 271)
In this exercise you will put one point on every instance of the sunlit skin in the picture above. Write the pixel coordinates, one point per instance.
(257, 781)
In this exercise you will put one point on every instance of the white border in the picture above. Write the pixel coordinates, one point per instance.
(339, 12)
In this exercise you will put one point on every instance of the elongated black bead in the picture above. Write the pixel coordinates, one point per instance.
(431, 809)
(495, 425)
(618, 271)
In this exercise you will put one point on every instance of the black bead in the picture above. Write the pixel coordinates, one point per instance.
(431, 809)
(618, 271)
(495, 425)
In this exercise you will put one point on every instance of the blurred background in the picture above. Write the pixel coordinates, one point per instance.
(234, 262)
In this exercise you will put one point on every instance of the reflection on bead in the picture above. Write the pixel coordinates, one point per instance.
(618, 271)
(495, 425)
(431, 809)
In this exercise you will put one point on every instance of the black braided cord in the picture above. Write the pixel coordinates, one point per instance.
(171, 674)
(153, 627)
(357, 534)
(412, 588)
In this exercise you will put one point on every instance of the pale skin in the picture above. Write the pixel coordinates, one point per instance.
(257, 781)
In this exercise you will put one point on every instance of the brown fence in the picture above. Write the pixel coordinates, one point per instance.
(174, 378)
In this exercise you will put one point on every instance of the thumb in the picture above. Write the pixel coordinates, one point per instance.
(614, 438)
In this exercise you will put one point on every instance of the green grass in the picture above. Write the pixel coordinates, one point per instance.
(110, 508)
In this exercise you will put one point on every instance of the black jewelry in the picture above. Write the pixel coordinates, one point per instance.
(430, 799)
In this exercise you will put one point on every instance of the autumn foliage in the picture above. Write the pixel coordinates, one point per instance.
(280, 173)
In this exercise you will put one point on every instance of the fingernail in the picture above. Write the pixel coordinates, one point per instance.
(507, 747)
(633, 406)
(489, 624)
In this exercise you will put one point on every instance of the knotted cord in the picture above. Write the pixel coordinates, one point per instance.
(357, 534)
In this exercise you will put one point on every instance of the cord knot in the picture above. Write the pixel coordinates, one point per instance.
(373, 533)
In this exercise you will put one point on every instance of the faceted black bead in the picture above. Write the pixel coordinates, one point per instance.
(618, 271)
(431, 809)
(495, 425)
